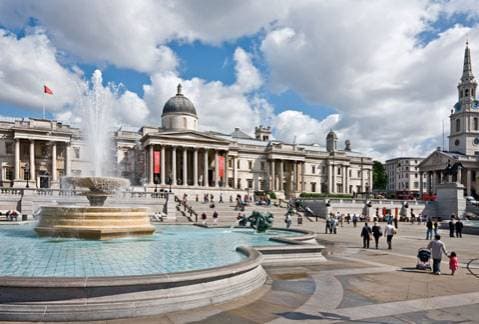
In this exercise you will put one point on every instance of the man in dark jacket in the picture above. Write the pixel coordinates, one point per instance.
(429, 229)
(366, 235)
(451, 227)
(459, 225)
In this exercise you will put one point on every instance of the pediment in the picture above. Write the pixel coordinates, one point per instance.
(437, 160)
(192, 136)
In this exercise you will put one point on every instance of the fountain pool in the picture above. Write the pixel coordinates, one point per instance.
(173, 248)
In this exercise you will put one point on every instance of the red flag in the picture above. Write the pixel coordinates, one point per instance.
(47, 90)
(221, 166)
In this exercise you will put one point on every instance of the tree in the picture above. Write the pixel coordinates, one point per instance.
(380, 179)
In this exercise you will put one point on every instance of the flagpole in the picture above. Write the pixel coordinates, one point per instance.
(43, 104)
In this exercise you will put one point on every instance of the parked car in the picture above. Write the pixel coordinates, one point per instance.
(471, 200)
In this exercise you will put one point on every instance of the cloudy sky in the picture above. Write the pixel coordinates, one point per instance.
(380, 73)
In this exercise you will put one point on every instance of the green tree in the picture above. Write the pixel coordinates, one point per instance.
(380, 179)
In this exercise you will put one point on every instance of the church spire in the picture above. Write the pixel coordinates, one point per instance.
(467, 69)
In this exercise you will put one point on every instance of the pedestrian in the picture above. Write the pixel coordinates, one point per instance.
(203, 218)
(197, 198)
(453, 263)
(396, 219)
(328, 224)
(355, 220)
(419, 219)
(215, 217)
(437, 248)
(389, 231)
(341, 220)
(436, 227)
(288, 220)
(458, 226)
(366, 235)
(429, 229)
(377, 233)
(221, 198)
(334, 224)
(451, 227)
(348, 218)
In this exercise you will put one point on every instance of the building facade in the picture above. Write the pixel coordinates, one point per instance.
(403, 175)
(463, 153)
(178, 155)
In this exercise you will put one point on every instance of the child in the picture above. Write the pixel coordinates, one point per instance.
(453, 263)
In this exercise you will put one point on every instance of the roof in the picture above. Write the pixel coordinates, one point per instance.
(179, 104)
(238, 133)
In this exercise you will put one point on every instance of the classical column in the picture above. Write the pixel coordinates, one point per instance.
(32, 161)
(17, 159)
(294, 181)
(459, 175)
(185, 166)
(303, 180)
(330, 178)
(281, 176)
(235, 173)
(226, 179)
(333, 178)
(343, 170)
(150, 164)
(217, 170)
(195, 167)
(163, 170)
(468, 182)
(205, 169)
(273, 177)
(173, 165)
(429, 182)
(54, 162)
(346, 177)
(421, 189)
(68, 168)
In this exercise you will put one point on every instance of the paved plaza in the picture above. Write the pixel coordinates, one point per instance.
(355, 285)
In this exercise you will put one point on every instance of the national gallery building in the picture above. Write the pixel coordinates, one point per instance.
(37, 153)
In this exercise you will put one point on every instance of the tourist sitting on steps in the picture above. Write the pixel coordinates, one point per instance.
(203, 218)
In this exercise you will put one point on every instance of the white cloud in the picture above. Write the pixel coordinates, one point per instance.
(26, 64)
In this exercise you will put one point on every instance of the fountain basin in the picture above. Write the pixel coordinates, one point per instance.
(96, 223)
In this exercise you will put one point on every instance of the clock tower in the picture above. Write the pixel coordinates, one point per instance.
(464, 118)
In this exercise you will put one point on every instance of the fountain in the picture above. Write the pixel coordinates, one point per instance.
(97, 221)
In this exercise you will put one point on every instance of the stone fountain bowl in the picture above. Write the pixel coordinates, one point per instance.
(98, 184)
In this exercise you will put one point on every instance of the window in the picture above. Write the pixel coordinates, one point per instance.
(313, 186)
(466, 93)
(339, 187)
(339, 172)
(458, 125)
(250, 183)
(476, 124)
(359, 173)
(184, 122)
(9, 173)
(9, 148)
(416, 185)
(230, 164)
(261, 185)
(238, 164)
(350, 173)
(415, 175)
(323, 170)
(262, 168)
(76, 152)
(313, 170)
(461, 94)
(238, 184)
(250, 165)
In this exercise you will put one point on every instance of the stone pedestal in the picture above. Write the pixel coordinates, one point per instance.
(450, 200)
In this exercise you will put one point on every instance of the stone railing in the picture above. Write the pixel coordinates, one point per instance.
(11, 191)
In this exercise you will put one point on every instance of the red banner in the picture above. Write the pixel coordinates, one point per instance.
(221, 166)
(156, 162)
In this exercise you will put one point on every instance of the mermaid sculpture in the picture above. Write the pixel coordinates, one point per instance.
(260, 221)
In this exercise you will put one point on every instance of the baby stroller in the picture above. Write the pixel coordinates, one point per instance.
(423, 259)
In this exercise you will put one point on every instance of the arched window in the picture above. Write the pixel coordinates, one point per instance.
(458, 125)
(476, 124)
(461, 94)
(184, 122)
(467, 93)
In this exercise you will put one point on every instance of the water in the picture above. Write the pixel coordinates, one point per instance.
(171, 249)
(96, 122)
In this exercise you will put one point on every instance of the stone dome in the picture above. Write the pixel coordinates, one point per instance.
(179, 104)
(332, 134)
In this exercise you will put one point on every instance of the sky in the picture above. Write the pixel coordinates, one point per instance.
(382, 74)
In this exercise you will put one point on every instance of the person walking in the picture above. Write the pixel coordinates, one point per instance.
(288, 220)
(355, 220)
(377, 233)
(429, 229)
(366, 235)
(328, 224)
(389, 231)
(334, 225)
(451, 227)
(436, 227)
(453, 263)
(437, 248)
(459, 226)
(215, 217)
